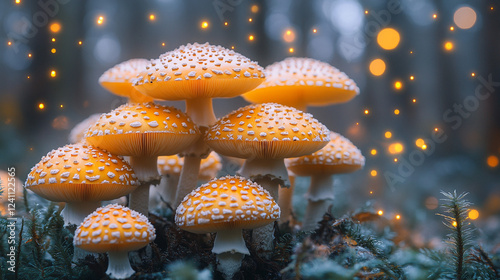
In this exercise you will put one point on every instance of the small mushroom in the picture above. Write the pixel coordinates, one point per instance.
(226, 206)
(82, 176)
(170, 168)
(143, 132)
(302, 82)
(117, 230)
(119, 79)
(264, 135)
(339, 156)
(197, 73)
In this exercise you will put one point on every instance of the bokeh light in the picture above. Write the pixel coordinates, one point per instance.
(388, 134)
(464, 17)
(448, 46)
(288, 35)
(396, 148)
(492, 161)
(388, 38)
(377, 67)
(473, 214)
(204, 24)
(55, 27)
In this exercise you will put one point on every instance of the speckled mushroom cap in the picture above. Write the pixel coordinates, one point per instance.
(114, 228)
(78, 132)
(267, 130)
(226, 203)
(339, 156)
(172, 165)
(146, 129)
(120, 77)
(77, 173)
(199, 71)
(303, 81)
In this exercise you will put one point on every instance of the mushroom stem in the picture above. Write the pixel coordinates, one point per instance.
(201, 111)
(146, 171)
(167, 189)
(270, 174)
(230, 241)
(119, 265)
(188, 179)
(320, 196)
(275, 169)
(230, 249)
(285, 201)
(75, 212)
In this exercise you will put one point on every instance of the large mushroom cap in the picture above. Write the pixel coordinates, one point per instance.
(114, 228)
(267, 130)
(226, 203)
(199, 71)
(303, 81)
(339, 156)
(172, 165)
(118, 79)
(143, 130)
(77, 173)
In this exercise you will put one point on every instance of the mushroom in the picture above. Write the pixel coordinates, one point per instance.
(302, 82)
(197, 73)
(78, 132)
(264, 135)
(285, 199)
(143, 132)
(226, 206)
(339, 156)
(117, 230)
(170, 167)
(82, 176)
(118, 80)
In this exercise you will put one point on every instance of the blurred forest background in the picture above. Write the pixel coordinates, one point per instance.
(53, 52)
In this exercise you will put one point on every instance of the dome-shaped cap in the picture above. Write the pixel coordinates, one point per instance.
(143, 130)
(339, 156)
(118, 79)
(267, 131)
(303, 81)
(77, 173)
(226, 203)
(199, 71)
(78, 132)
(114, 228)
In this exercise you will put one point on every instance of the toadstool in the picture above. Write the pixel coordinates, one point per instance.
(339, 156)
(301, 82)
(82, 176)
(264, 135)
(117, 230)
(143, 132)
(226, 206)
(119, 79)
(78, 132)
(197, 73)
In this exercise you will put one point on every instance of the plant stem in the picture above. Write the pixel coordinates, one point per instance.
(146, 171)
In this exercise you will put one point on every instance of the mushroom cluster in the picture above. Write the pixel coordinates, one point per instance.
(182, 149)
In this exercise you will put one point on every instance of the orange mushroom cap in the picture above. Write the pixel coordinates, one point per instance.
(77, 173)
(118, 79)
(226, 203)
(267, 131)
(114, 228)
(339, 156)
(143, 130)
(199, 71)
(303, 81)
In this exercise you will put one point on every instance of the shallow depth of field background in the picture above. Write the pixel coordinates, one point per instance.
(413, 81)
